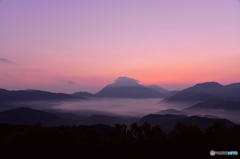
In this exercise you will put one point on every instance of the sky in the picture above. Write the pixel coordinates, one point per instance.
(82, 45)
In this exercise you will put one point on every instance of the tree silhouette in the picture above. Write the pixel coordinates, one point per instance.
(120, 141)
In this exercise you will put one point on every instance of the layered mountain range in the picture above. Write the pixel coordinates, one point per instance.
(28, 116)
(205, 96)
(125, 87)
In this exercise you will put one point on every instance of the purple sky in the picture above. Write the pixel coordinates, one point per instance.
(72, 45)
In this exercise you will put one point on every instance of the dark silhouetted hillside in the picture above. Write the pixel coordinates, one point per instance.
(27, 116)
(207, 91)
(168, 121)
(83, 94)
(216, 104)
(125, 87)
(7, 96)
(171, 111)
(159, 89)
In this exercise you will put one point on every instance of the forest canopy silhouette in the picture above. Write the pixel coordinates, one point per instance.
(120, 141)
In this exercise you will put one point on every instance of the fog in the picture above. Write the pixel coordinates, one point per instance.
(116, 106)
(135, 108)
(218, 113)
(124, 107)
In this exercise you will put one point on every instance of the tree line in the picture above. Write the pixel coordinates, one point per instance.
(120, 141)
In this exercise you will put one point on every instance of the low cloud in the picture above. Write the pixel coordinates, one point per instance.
(4, 60)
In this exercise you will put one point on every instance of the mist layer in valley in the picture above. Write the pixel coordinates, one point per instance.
(117, 106)
(127, 98)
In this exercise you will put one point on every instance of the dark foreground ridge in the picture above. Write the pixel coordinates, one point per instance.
(28, 116)
(118, 142)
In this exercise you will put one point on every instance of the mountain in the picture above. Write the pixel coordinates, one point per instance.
(27, 116)
(125, 87)
(7, 96)
(171, 111)
(158, 88)
(168, 121)
(83, 94)
(207, 91)
(232, 91)
(109, 120)
(216, 104)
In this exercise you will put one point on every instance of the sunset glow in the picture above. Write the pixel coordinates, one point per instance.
(73, 45)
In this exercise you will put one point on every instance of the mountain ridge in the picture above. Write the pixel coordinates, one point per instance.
(33, 95)
(125, 87)
(207, 91)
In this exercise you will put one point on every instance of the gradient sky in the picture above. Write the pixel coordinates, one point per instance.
(73, 45)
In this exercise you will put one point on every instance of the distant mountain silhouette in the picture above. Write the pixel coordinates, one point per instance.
(216, 104)
(171, 111)
(232, 91)
(207, 91)
(33, 95)
(159, 89)
(83, 94)
(125, 87)
(168, 121)
(109, 120)
(165, 92)
(27, 116)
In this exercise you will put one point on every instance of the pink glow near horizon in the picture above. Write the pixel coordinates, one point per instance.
(70, 45)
